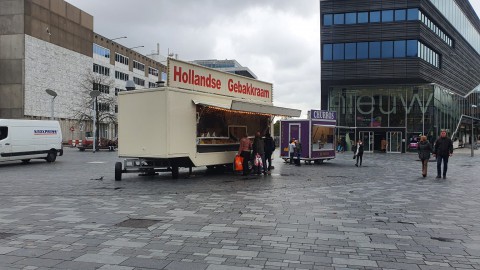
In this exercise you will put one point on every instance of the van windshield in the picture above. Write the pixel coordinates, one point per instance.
(3, 133)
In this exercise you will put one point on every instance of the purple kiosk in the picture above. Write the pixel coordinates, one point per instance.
(316, 135)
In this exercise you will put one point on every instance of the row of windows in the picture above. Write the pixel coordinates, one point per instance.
(138, 81)
(428, 55)
(371, 16)
(121, 59)
(379, 49)
(103, 107)
(101, 70)
(153, 71)
(425, 20)
(152, 85)
(102, 88)
(460, 21)
(138, 65)
(97, 49)
(121, 76)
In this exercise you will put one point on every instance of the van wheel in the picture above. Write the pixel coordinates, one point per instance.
(25, 161)
(51, 157)
(118, 171)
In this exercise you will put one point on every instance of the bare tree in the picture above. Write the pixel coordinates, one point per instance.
(106, 101)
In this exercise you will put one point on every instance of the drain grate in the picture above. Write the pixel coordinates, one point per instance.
(137, 223)
(6, 235)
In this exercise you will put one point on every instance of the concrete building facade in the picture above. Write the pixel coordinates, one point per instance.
(51, 44)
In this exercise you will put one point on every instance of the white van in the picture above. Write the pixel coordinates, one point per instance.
(30, 139)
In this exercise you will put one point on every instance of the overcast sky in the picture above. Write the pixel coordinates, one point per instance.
(277, 39)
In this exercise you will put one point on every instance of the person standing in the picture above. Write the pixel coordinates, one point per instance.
(269, 148)
(443, 150)
(298, 152)
(244, 152)
(359, 152)
(291, 150)
(259, 149)
(424, 151)
(383, 145)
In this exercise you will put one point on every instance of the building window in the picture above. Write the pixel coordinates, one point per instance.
(387, 16)
(328, 19)
(121, 59)
(350, 51)
(101, 70)
(138, 81)
(153, 71)
(413, 14)
(103, 107)
(374, 50)
(138, 65)
(374, 16)
(400, 15)
(387, 49)
(351, 18)
(412, 48)
(338, 51)
(99, 50)
(102, 88)
(121, 76)
(327, 52)
(362, 50)
(363, 17)
(339, 18)
(399, 49)
(116, 108)
(152, 85)
(117, 90)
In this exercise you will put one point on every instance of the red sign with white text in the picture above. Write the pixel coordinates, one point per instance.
(193, 77)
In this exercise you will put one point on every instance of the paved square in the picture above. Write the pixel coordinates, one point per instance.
(383, 215)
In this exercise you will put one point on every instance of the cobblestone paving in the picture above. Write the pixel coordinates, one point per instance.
(383, 215)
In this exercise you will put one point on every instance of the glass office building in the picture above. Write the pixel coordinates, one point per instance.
(400, 69)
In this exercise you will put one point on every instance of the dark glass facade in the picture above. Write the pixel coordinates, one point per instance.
(398, 69)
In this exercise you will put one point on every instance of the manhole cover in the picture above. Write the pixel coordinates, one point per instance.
(137, 223)
(6, 235)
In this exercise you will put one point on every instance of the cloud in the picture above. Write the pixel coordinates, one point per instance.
(278, 40)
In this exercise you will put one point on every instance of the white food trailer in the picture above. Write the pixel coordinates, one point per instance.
(197, 119)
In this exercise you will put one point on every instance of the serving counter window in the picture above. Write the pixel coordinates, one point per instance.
(322, 138)
(220, 130)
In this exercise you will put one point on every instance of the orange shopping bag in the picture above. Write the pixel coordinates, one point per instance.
(238, 163)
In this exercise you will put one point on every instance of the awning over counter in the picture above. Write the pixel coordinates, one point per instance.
(212, 104)
(252, 107)
(267, 109)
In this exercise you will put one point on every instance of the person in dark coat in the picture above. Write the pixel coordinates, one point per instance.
(259, 148)
(298, 152)
(269, 148)
(443, 150)
(424, 151)
(359, 152)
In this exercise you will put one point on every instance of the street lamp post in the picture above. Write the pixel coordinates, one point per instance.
(117, 38)
(136, 47)
(54, 95)
(94, 94)
(471, 130)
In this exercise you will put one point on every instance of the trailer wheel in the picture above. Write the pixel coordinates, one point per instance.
(25, 161)
(175, 172)
(118, 171)
(81, 149)
(51, 156)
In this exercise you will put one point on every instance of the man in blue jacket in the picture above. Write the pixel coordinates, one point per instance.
(443, 150)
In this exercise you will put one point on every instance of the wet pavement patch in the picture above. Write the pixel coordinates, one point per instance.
(137, 223)
(6, 235)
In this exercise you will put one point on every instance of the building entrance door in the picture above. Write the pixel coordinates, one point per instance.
(394, 139)
(368, 140)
